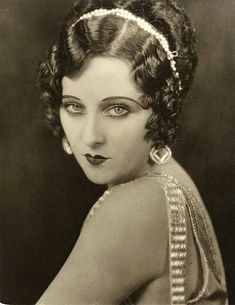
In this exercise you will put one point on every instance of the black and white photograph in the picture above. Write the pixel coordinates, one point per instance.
(117, 145)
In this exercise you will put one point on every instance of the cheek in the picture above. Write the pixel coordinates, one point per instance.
(69, 124)
(130, 139)
(63, 118)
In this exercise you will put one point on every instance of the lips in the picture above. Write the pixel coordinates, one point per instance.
(96, 159)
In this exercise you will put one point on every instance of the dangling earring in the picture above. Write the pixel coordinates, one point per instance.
(160, 156)
(66, 146)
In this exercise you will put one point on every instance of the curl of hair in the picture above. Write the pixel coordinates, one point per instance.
(49, 83)
(114, 36)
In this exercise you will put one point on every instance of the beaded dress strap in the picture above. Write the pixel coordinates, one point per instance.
(177, 234)
(177, 238)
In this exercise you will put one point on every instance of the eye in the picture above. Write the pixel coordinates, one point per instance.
(117, 110)
(74, 108)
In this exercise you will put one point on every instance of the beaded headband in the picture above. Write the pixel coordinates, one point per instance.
(146, 26)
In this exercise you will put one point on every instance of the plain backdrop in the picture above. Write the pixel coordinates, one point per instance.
(45, 196)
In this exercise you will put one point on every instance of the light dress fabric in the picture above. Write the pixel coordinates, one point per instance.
(179, 200)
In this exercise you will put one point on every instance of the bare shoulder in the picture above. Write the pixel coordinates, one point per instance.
(126, 238)
(133, 216)
(141, 202)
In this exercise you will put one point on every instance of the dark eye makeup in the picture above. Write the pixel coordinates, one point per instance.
(117, 110)
(116, 106)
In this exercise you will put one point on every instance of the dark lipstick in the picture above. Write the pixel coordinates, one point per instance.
(96, 159)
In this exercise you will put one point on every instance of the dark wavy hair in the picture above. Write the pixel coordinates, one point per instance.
(115, 36)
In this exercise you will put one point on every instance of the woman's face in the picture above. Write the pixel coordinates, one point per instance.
(104, 121)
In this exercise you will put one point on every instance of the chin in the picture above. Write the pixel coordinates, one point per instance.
(97, 179)
(107, 176)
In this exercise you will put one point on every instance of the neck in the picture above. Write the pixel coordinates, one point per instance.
(151, 169)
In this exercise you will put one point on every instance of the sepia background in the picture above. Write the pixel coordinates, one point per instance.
(45, 196)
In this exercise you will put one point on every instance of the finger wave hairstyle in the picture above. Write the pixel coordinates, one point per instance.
(112, 35)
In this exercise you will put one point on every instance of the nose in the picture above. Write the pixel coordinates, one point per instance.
(92, 132)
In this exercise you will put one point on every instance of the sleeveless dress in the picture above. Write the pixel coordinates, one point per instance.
(179, 199)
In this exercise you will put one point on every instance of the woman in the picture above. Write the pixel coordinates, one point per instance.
(114, 86)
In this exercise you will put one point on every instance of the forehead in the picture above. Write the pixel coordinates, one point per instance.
(102, 77)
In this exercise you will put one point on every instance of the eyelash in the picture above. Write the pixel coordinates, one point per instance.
(109, 108)
(123, 107)
(72, 111)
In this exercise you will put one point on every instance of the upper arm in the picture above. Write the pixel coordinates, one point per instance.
(122, 247)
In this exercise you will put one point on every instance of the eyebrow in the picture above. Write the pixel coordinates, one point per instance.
(70, 96)
(118, 98)
(105, 99)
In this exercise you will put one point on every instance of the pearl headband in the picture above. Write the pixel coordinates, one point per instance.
(146, 26)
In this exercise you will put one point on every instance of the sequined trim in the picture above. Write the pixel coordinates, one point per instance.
(177, 240)
(202, 292)
(194, 203)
